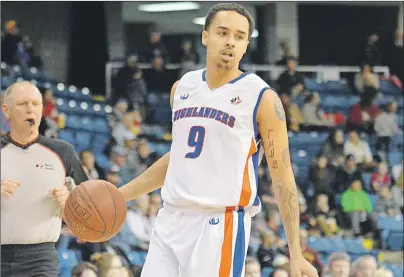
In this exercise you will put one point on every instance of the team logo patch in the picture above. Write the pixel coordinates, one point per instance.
(214, 221)
(235, 100)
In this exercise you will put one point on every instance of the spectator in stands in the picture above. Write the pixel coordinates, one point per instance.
(372, 54)
(139, 222)
(273, 222)
(396, 57)
(34, 60)
(325, 217)
(118, 158)
(160, 73)
(123, 129)
(382, 272)
(339, 265)
(84, 269)
(137, 270)
(50, 113)
(397, 170)
(291, 81)
(270, 247)
(294, 117)
(322, 177)
(360, 149)
(90, 167)
(10, 43)
(4, 126)
(132, 156)
(118, 113)
(314, 118)
(279, 272)
(364, 266)
(130, 85)
(287, 54)
(113, 175)
(252, 267)
(109, 265)
(309, 254)
(189, 58)
(362, 116)
(380, 178)
(366, 82)
(385, 204)
(347, 174)
(333, 148)
(306, 219)
(154, 48)
(386, 127)
(357, 205)
(398, 189)
(146, 157)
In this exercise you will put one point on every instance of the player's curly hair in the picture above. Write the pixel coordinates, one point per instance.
(220, 7)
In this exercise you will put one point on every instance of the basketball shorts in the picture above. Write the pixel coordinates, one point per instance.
(195, 243)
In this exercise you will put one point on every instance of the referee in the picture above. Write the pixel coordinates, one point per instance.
(34, 170)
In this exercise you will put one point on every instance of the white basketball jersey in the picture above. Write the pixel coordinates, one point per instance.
(214, 155)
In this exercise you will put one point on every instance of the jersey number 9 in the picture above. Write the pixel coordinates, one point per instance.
(195, 139)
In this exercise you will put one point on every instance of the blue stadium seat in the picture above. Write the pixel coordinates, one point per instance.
(395, 158)
(99, 143)
(320, 244)
(135, 258)
(72, 122)
(100, 125)
(83, 140)
(266, 271)
(67, 260)
(367, 180)
(337, 244)
(390, 223)
(86, 123)
(313, 85)
(395, 240)
(102, 161)
(387, 87)
(68, 136)
(355, 246)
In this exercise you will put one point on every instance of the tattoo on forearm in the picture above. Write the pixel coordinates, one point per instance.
(289, 208)
(279, 110)
(275, 164)
(286, 157)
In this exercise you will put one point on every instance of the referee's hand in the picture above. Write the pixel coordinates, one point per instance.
(60, 194)
(8, 188)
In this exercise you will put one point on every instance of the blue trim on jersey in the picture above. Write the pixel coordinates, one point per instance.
(239, 248)
(257, 200)
(256, 110)
(232, 81)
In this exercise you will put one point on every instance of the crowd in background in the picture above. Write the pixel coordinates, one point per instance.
(337, 169)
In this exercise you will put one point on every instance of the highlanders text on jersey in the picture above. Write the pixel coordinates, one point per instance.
(215, 150)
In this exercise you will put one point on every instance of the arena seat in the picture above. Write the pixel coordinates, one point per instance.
(266, 271)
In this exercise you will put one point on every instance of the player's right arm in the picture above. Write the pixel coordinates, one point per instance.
(153, 178)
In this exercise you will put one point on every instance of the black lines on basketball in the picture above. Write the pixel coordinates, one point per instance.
(92, 203)
(113, 199)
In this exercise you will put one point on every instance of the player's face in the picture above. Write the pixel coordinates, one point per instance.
(24, 104)
(226, 40)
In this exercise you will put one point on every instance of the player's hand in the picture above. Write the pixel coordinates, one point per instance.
(8, 188)
(300, 267)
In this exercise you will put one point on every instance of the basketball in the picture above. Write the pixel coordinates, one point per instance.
(95, 211)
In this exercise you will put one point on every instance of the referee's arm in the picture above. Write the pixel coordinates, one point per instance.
(74, 169)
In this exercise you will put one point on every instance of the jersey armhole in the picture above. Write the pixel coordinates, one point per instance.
(257, 136)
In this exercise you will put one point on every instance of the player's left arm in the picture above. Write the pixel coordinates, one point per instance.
(273, 131)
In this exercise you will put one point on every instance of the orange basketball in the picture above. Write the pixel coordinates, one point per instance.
(95, 211)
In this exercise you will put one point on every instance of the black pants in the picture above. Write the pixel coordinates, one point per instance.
(29, 260)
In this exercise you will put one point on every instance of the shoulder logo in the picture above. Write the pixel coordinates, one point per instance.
(184, 96)
(214, 221)
(235, 100)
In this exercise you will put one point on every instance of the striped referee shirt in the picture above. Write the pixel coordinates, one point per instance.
(31, 215)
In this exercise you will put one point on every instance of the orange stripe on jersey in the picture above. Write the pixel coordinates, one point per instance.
(246, 187)
(227, 247)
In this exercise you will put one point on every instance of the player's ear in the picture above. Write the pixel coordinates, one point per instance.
(4, 109)
(204, 37)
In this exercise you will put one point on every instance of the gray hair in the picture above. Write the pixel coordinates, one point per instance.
(338, 256)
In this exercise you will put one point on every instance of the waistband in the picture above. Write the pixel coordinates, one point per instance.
(28, 247)
(201, 210)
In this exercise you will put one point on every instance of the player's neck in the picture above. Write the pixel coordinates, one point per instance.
(24, 137)
(215, 77)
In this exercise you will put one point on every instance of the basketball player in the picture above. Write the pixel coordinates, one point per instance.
(33, 187)
(223, 121)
